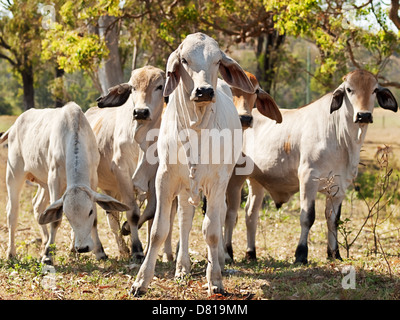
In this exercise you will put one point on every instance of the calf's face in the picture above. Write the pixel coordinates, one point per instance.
(145, 89)
(245, 102)
(78, 203)
(360, 88)
(197, 62)
(147, 93)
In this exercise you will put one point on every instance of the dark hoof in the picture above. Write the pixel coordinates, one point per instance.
(251, 256)
(301, 254)
(334, 254)
(299, 261)
(229, 251)
(137, 292)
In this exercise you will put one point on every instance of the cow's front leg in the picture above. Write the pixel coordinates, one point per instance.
(159, 232)
(55, 192)
(185, 216)
(132, 216)
(39, 202)
(332, 215)
(212, 231)
(113, 219)
(98, 249)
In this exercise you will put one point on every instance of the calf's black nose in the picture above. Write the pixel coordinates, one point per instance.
(364, 117)
(141, 113)
(204, 94)
(246, 120)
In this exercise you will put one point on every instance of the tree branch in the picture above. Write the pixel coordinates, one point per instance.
(393, 84)
(351, 55)
(394, 13)
(3, 56)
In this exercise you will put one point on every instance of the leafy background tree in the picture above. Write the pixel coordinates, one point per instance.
(55, 51)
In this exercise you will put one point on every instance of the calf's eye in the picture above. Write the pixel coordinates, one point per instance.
(159, 87)
(348, 90)
(91, 212)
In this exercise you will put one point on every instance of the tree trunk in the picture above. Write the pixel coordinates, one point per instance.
(59, 98)
(29, 92)
(110, 73)
(268, 58)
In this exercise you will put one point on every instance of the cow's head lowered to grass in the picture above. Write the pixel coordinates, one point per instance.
(79, 205)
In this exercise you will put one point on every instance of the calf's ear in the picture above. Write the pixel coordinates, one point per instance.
(173, 75)
(386, 99)
(116, 96)
(266, 106)
(52, 213)
(109, 203)
(234, 75)
(337, 98)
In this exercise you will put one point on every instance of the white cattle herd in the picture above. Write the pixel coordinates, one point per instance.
(208, 139)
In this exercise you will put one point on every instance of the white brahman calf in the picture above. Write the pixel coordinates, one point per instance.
(197, 113)
(314, 142)
(56, 149)
(121, 138)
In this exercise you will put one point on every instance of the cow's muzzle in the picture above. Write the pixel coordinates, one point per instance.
(246, 121)
(204, 94)
(364, 117)
(141, 113)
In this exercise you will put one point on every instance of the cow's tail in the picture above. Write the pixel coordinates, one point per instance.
(4, 136)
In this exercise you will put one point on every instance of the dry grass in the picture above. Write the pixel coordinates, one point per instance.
(273, 276)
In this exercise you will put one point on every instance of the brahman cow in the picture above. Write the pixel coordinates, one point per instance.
(315, 142)
(121, 139)
(56, 149)
(197, 113)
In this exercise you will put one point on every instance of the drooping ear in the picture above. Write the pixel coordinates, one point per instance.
(116, 96)
(234, 75)
(109, 203)
(337, 98)
(266, 106)
(386, 99)
(52, 213)
(173, 75)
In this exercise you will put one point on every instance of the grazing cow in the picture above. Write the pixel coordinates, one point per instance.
(121, 138)
(56, 149)
(196, 111)
(317, 141)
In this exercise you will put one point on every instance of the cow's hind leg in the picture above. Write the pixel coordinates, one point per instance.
(253, 205)
(233, 203)
(308, 191)
(14, 181)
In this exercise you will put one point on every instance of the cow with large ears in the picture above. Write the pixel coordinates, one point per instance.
(320, 140)
(197, 105)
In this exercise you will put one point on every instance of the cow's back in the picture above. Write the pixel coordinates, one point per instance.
(40, 138)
